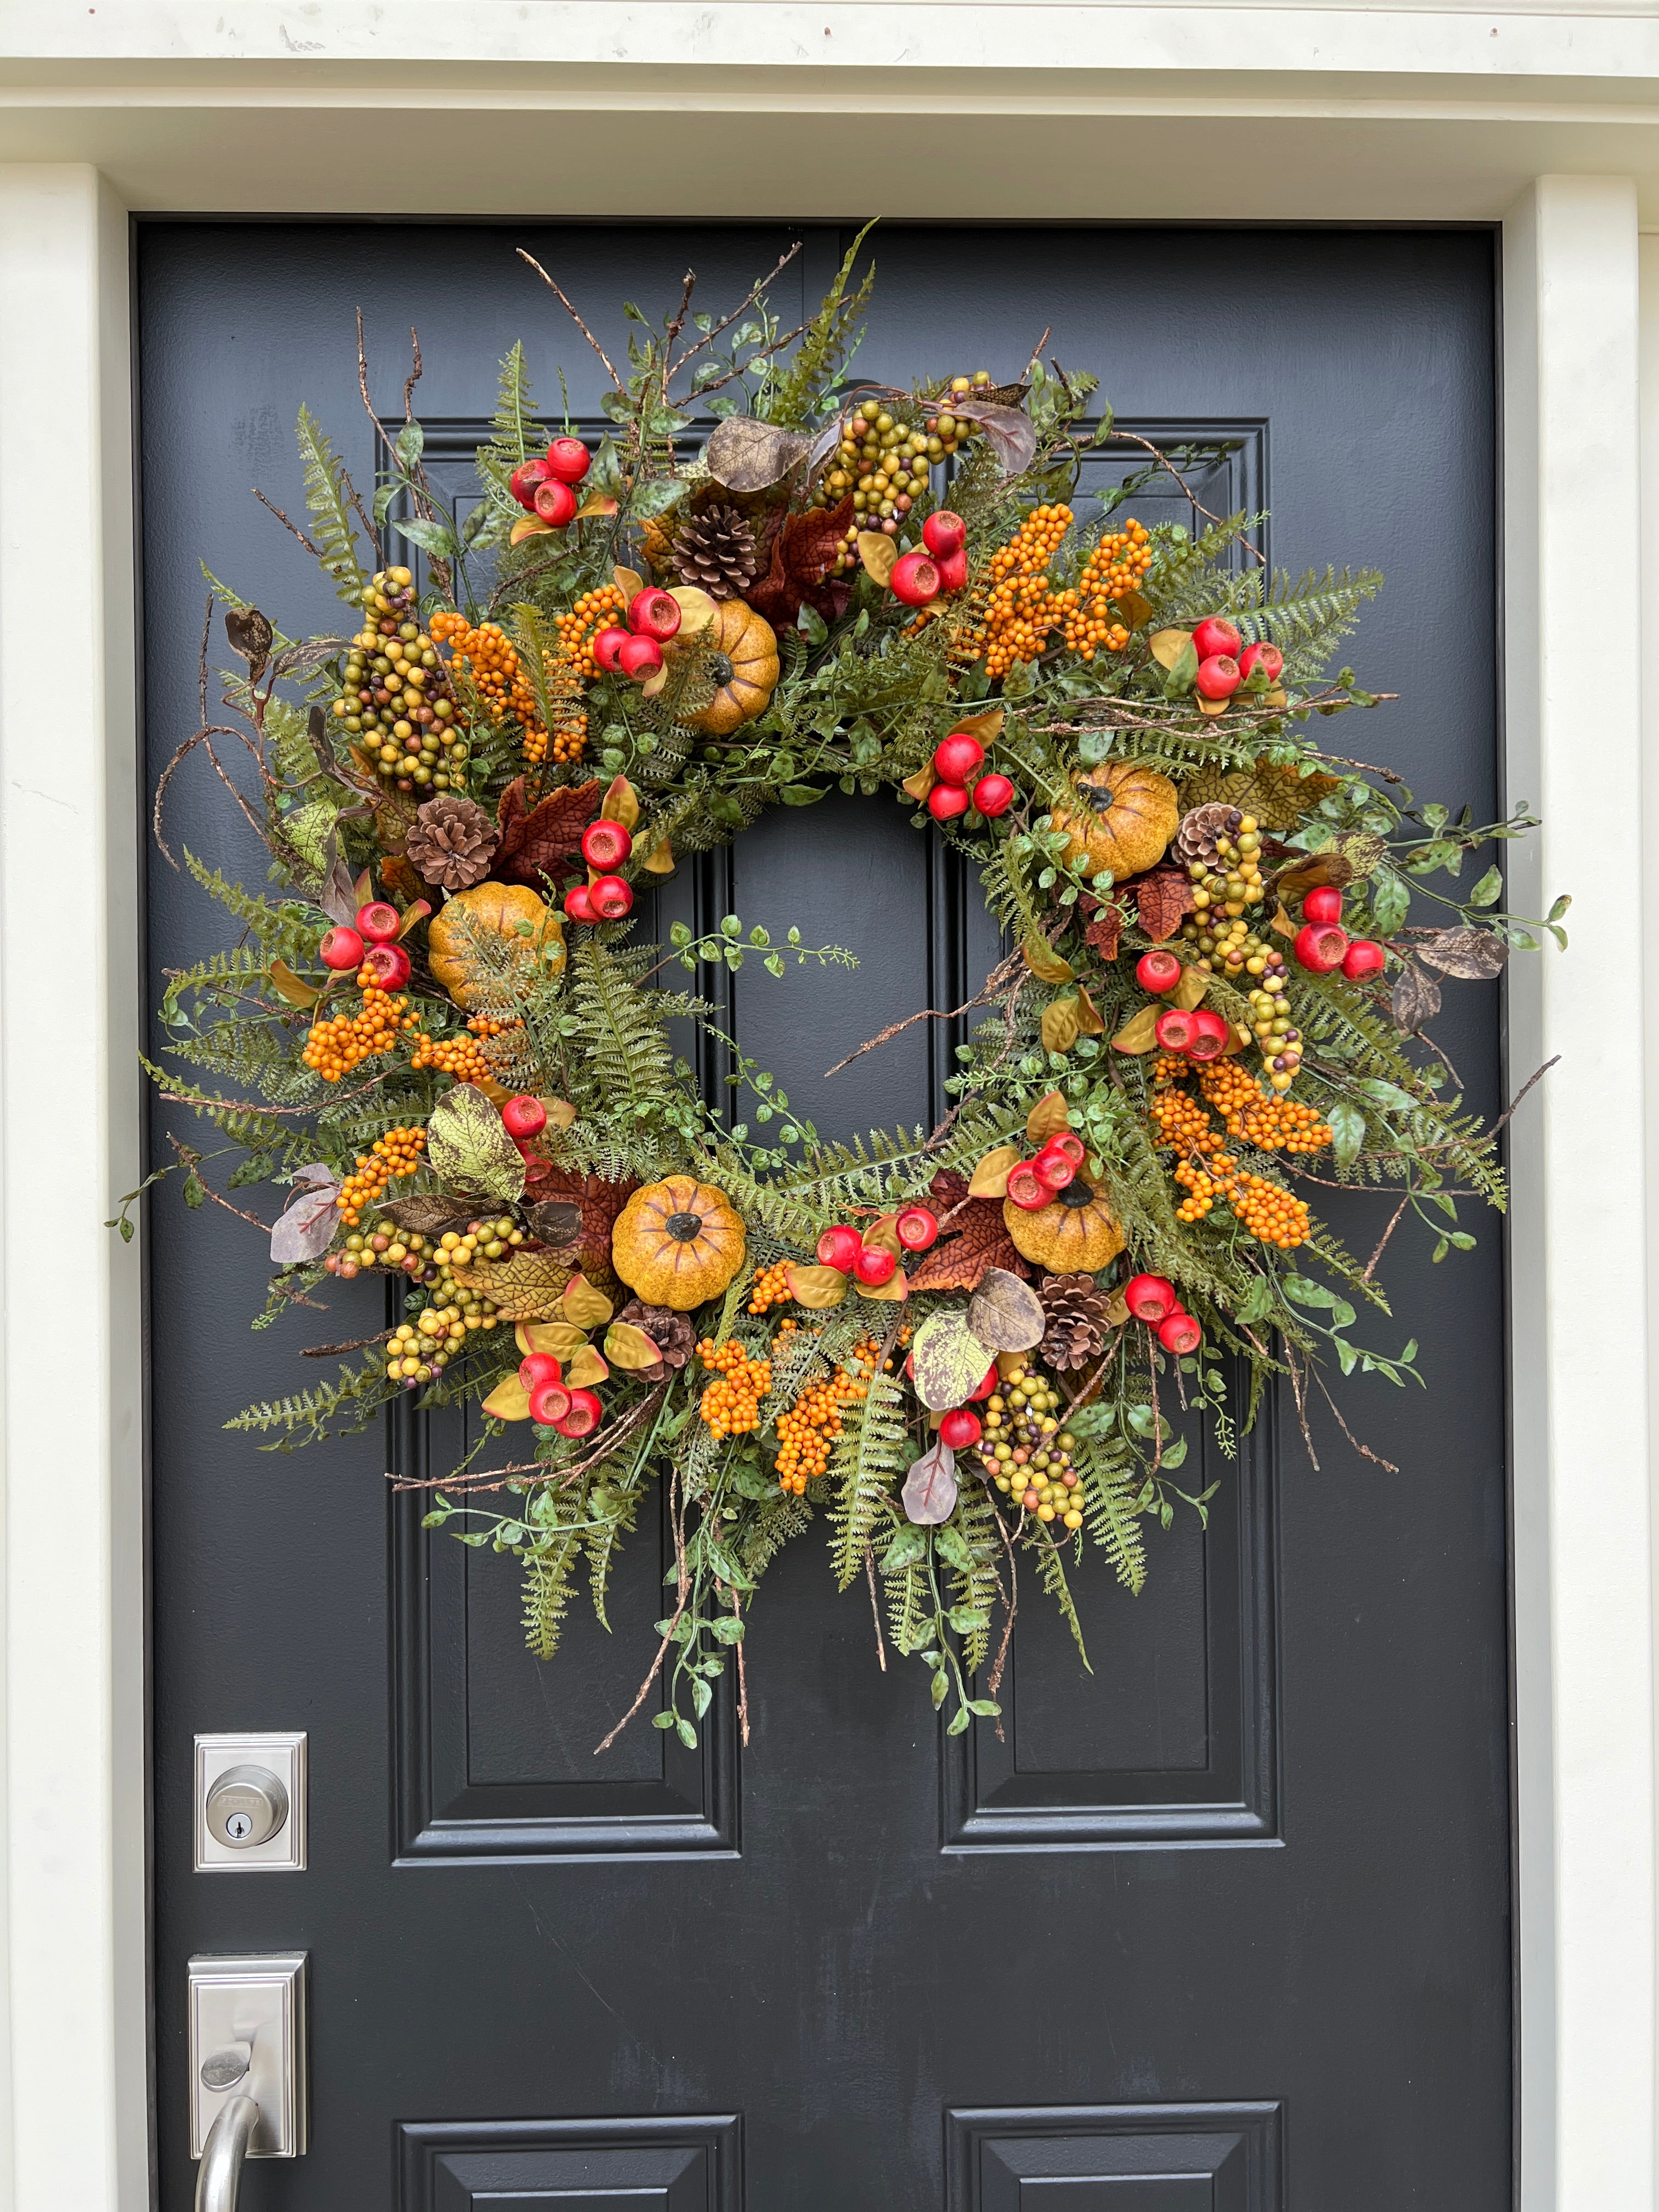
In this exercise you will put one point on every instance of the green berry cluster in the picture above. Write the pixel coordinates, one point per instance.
(395, 698)
(1026, 1453)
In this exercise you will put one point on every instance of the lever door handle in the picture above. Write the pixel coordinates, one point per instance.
(220, 2174)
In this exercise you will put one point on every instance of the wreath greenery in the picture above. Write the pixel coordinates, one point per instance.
(969, 1350)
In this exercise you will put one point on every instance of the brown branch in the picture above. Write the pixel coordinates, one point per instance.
(709, 337)
(999, 976)
(1393, 1224)
(332, 1350)
(1364, 1450)
(191, 1158)
(743, 1672)
(684, 1592)
(292, 527)
(1295, 1375)
(1132, 438)
(414, 376)
(875, 1610)
(676, 325)
(204, 738)
(610, 366)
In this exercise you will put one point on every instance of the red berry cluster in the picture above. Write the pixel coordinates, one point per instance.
(605, 845)
(1322, 944)
(1224, 661)
(847, 1250)
(957, 763)
(1035, 1183)
(371, 948)
(653, 616)
(939, 568)
(1151, 1298)
(543, 487)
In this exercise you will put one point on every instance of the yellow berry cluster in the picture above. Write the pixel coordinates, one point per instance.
(1021, 611)
(771, 1288)
(731, 1404)
(397, 1153)
(594, 611)
(1113, 568)
(336, 1046)
(419, 1352)
(805, 1431)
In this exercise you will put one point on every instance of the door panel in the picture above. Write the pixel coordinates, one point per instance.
(1223, 1923)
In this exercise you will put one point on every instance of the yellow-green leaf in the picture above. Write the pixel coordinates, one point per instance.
(990, 1177)
(584, 1369)
(817, 1288)
(1045, 964)
(879, 554)
(585, 1305)
(1167, 646)
(620, 803)
(1140, 1032)
(509, 1401)
(1045, 1119)
(289, 987)
(630, 1348)
(561, 1338)
(1190, 991)
(891, 1292)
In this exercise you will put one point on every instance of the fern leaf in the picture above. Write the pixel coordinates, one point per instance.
(868, 1462)
(328, 501)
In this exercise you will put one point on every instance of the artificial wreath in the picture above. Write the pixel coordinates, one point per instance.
(968, 1351)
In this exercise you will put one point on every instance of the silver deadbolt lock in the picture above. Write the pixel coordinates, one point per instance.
(246, 1805)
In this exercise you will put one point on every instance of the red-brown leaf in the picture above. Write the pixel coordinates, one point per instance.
(1104, 932)
(601, 1203)
(803, 550)
(976, 1238)
(1163, 896)
(545, 839)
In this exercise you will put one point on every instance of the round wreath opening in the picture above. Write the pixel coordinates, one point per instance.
(967, 1352)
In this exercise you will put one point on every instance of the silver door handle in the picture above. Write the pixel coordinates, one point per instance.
(220, 2174)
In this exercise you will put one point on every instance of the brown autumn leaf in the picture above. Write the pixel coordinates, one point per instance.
(801, 550)
(250, 636)
(599, 1201)
(545, 839)
(1105, 932)
(977, 1238)
(1162, 897)
(1473, 954)
(1415, 999)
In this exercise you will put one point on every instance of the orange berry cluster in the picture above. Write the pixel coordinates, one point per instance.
(1207, 1171)
(488, 1025)
(771, 1289)
(1270, 1213)
(731, 1404)
(457, 1057)
(1021, 611)
(491, 659)
(335, 1047)
(397, 1153)
(1271, 1125)
(592, 612)
(1113, 568)
(805, 1431)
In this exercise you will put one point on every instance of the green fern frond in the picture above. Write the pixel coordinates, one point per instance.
(1112, 1486)
(868, 1463)
(1051, 1571)
(826, 349)
(342, 1409)
(328, 501)
(289, 930)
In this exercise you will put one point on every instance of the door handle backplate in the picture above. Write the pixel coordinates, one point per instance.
(255, 2004)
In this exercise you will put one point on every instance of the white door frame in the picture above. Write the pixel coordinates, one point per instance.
(1541, 116)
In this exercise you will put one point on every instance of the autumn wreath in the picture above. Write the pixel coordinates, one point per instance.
(969, 1351)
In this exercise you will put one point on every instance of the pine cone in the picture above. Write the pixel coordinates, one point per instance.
(1195, 839)
(716, 550)
(671, 1332)
(1077, 1320)
(452, 842)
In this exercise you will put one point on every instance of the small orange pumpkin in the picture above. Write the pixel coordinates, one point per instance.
(491, 910)
(678, 1242)
(1133, 813)
(1076, 1234)
(743, 648)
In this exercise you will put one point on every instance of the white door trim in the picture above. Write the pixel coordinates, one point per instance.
(122, 123)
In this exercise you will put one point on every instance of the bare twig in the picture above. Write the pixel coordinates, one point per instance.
(204, 738)
(334, 1350)
(676, 325)
(743, 1674)
(999, 976)
(725, 325)
(190, 1158)
(610, 366)
(684, 1592)
(1364, 1450)
(875, 1610)
(414, 376)
(1393, 1224)
(1132, 438)
(315, 552)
